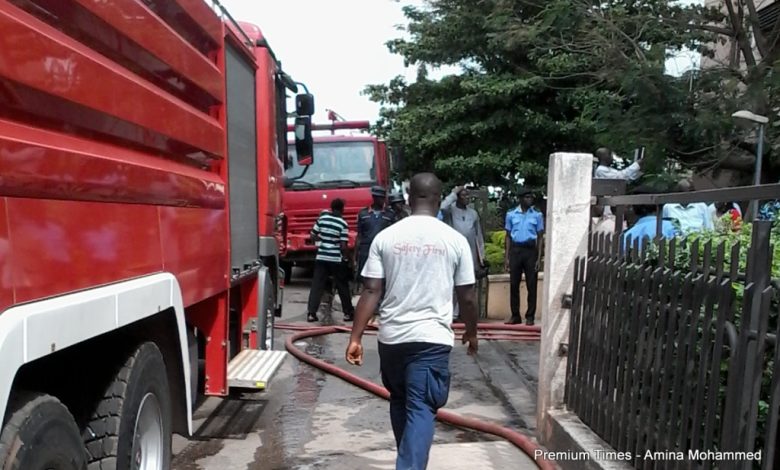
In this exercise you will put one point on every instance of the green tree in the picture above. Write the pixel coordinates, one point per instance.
(539, 77)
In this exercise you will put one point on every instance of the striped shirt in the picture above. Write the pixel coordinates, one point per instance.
(332, 231)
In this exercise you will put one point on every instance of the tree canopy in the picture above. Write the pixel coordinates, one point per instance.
(569, 75)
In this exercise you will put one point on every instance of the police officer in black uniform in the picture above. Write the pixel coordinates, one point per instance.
(398, 206)
(370, 221)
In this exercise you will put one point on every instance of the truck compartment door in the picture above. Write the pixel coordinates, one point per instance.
(242, 161)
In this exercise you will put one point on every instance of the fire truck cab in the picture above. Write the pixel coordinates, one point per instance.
(345, 166)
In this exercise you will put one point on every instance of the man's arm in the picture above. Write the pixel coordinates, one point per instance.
(467, 303)
(464, 290)
(315, 231)
(630, 173)
(450, 199)
(373, 274)
(357, 241)
(539, 241)
(480, 239)
(507, 241)
(369, 300)
(540, 250)
(344, 238)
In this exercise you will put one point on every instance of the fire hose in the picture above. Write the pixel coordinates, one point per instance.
(487, 331)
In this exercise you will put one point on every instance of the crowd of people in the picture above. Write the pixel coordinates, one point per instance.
(419, 274)
(677, 218)
(524, 227)
(331, 235)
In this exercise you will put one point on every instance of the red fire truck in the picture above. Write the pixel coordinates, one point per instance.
(141, 150)
(345, 166)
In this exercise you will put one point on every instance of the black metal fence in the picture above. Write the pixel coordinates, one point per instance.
(673, 353)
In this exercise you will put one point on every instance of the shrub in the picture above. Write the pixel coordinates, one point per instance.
(494, 251)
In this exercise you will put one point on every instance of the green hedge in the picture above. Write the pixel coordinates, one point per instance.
(494, 251)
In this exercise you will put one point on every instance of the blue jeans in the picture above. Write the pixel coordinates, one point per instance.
(417, 375)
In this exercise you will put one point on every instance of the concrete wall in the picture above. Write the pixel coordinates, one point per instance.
(498, 297)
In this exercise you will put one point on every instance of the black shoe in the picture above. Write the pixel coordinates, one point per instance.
(349, 317)
(312, 317)
(529, 321)
(514, 321)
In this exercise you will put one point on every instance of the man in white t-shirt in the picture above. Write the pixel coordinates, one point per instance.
(421, 259)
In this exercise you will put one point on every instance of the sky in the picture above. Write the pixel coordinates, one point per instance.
(337, 47)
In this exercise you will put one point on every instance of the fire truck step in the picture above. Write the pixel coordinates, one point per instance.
(253, 368)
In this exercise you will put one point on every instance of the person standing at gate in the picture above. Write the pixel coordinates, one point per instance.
(690, 217)
(523, 254)
(370, 221)
(645, 228)
(332, 234)
(604, 169)
(421, 260)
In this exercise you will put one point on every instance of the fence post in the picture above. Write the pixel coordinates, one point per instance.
(744, 383)
(568, 222)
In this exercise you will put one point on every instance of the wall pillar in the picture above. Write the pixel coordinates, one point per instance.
(567, 226)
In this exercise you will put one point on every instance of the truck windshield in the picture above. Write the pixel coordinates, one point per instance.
(336, 163)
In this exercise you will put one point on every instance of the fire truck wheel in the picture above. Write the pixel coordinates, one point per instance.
(40, 434)
(131, 426)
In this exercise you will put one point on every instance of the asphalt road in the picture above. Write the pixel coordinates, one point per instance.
(310, 420)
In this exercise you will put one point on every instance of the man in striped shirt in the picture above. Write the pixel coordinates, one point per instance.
(332, 234)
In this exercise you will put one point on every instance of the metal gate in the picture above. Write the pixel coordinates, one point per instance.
(673, 353)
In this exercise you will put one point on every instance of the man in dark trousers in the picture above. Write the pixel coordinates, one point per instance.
(523, 254)
(332, 234)
(421, 260)
(370, 221)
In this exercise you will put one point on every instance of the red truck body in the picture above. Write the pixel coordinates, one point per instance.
(345, 166)
(141, 162)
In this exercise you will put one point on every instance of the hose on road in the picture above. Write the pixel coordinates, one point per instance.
(509, 332)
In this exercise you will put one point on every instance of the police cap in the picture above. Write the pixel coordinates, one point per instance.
(396, 197)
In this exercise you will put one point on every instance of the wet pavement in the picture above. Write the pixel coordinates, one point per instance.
(310, 420)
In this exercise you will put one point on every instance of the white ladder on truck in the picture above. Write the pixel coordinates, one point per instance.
(254, 368)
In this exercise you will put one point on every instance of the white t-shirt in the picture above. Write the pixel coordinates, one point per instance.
(421, 259)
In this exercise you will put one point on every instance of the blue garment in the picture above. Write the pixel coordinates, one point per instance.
(524, 226)
(646, 228)
(769, 210)
(417, 375)
(440, 215)
(370, 222)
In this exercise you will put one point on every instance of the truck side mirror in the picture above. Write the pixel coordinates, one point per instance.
(304, 144)
(304, 104)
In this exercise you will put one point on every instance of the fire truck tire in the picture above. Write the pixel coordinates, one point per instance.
(132, 423)
(40, 434)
